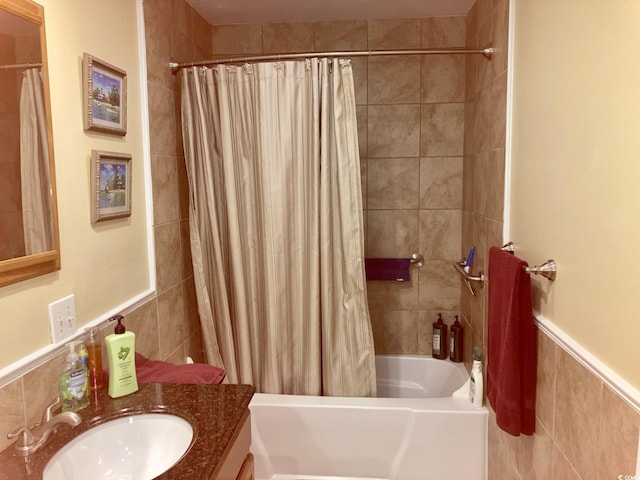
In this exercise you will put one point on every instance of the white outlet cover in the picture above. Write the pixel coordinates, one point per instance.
(62, 318)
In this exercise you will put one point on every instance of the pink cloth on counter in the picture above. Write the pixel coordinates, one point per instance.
(511, 344)
(157, 371)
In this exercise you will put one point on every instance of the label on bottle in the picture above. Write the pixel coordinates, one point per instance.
(452, 344)
(436, 342)
(77, 384)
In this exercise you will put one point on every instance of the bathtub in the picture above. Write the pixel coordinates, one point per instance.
(297, 437)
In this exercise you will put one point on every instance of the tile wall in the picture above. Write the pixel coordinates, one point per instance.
(410, 125)
(167, 327)
(584, 430)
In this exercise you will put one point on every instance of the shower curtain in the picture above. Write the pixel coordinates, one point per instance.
(37, 214)
(276, 225)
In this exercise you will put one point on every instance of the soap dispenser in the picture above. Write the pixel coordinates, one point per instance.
(455, 342)
(439, 339)
(74, 382)
(121, 357)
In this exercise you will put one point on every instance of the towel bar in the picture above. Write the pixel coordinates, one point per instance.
(548, 270)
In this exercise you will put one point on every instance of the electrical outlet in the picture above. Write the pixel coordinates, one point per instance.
(62, 316)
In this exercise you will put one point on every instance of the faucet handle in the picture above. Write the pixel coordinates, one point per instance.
(26, 437)
(48, 412)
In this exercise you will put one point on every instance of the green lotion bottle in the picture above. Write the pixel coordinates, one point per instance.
(121, 356)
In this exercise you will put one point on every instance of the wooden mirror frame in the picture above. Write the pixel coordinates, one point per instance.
(22, 268)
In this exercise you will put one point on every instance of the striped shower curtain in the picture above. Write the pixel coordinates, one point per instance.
(276, 225)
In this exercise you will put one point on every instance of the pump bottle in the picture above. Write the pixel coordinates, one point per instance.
(121, 356)
(455, 342)
(74, 382)
(439, 339)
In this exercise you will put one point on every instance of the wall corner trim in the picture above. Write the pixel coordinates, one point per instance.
(614, 381)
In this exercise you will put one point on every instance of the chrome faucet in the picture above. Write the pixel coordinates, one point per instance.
(27, 443)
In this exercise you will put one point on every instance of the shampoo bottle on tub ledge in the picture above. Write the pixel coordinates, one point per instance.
(476, 389)
(121, 356)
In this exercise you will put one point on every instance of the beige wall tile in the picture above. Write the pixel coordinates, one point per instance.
(341, 36)
(236, 39)
(171, 321)
(41, 387)
(439, 290)
(395, 331)
(440, 234)
(546, 381)
(498, 112)
(287, 37)
(503, 458)
(578, 398)
(162, 120)
(443, 78)
(168, 255)
(193, 347)
(499, 38)
(443, 32)
(359, 66)
(390, 34)
(536, 454)
(12, 407)
(361, 114)
(392, 233)
(618, 440)
(394, 80)
(157, 19)
(166, 200)
(143, 321)
(442, 129)
(393, 183)
(495, 184)
(441, 182)
(561, 468)
(384, 295)
(393, 131)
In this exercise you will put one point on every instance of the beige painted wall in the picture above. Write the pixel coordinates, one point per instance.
(103, 265)
(575, 168)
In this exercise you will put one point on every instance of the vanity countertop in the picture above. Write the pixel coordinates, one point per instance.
(215, 410)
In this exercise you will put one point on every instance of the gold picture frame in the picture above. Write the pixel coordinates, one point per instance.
(105, 97)
(110, 185)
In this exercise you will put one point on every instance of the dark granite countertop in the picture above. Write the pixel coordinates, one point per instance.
(213, 410)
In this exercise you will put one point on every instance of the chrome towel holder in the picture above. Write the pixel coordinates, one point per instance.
(548, 270)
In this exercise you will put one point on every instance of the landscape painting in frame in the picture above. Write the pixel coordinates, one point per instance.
(111, 185)
(105, 97)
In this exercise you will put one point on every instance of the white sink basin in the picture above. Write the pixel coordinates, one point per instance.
(138, 447)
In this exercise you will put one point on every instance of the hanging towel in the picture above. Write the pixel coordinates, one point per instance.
(511, 344)
(387, 269)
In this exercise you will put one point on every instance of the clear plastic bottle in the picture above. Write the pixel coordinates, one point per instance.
(74, 382)
(476, 389)
(94, 349)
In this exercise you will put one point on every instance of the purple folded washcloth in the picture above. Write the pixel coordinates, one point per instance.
(387, 269)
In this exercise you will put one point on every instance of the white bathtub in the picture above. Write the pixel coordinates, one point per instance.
(330, 438)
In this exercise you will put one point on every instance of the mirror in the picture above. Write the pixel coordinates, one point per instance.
(29, 242)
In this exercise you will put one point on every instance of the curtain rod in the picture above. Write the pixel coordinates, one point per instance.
(487, 52)
(20, 65)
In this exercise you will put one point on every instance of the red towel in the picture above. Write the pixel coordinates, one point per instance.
(511, 345)
(157, 371)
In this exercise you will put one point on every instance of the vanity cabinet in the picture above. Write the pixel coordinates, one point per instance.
(237, 461)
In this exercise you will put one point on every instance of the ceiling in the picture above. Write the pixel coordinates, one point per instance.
(224, 12)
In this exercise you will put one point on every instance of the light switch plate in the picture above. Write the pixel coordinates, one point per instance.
(62, 317)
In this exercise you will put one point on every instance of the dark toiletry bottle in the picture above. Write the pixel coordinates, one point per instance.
(439, 339)
(455, 342)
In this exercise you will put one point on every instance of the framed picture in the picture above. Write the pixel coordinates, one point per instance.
(105, 97)
(110, 185)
